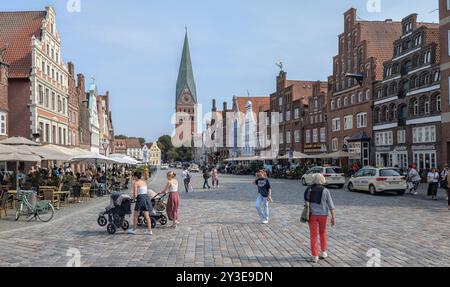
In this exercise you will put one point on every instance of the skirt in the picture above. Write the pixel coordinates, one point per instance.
(172, 206)
(143, 203)
(432, 189)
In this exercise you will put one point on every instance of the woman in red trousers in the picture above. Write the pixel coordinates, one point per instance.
(172, 204)
(321, 205)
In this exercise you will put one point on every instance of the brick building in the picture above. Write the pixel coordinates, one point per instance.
(38, 79)
(290, 101)
(444, 15)
(185, 100)
(84, 120)
(407, 102)
(74, 107)
(221, 143)
(120, 146)
(315, 121)
(133, 148)
(3, 96)
(363, 48)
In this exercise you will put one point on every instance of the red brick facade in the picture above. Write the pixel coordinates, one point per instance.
(444, 15)
(363, 47)
(3, 97)
(407, 102)
(74, 106)
(290, 102)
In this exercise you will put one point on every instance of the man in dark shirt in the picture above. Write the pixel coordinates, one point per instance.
(264, 196)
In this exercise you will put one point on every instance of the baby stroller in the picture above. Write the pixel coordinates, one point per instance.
(159, 207)
(119, 208)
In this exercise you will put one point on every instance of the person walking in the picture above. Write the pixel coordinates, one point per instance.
(448, 191)
(444, 177)
(206, 177)
(174, 199)
(143, 204)
(215, 178)
(264, 196)
(321, 205)
(187, 179)
(414, 179)
(433, 183)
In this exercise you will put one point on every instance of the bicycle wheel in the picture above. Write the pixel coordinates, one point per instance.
(19, 211)
(46, 214)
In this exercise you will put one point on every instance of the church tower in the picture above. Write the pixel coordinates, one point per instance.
(186, 99)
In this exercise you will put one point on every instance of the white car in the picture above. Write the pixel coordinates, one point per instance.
(333, 176)
(378, 180)
(164, 167)
(194, 168)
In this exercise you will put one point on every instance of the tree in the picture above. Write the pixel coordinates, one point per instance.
(165, 144)
(121, 137)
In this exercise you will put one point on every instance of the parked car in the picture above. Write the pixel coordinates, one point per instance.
(164, 167)
(194, 168)
(179, 165)
(334, 176)
(378, 180)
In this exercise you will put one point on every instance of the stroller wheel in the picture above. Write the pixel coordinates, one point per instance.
(163, 220)
(111, 228)
(125, 225)
(153, 222)
(102, 221)
(140, 222)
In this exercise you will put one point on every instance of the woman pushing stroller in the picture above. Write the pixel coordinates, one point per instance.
(143, 203)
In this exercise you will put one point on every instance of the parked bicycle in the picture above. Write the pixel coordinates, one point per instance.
(43, 210)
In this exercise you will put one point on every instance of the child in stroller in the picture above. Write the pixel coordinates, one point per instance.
(159, 207)
(119, 207)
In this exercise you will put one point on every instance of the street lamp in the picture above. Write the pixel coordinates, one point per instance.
(105, 145)
(358, 77)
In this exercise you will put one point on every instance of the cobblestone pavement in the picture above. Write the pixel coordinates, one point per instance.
(220, 227)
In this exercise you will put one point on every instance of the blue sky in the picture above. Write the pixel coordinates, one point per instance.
(133, 48)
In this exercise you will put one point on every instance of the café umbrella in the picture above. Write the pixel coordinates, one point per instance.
(13, 154)
(93, 158)
(18, 141)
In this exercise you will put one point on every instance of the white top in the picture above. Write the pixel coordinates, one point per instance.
(142, 190)
(185, 174)
(433, 177)
(173, 186)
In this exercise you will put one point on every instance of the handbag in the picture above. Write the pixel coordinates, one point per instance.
(306, 210)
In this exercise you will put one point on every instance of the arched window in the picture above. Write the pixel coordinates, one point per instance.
(376, 115)
(413, 80)
(345, 101)
(385, 91)
(413, 107)
(353, 99)
(360, 97)
(393, 88)
(435, 103)
(424, 105)
(339, 103)
(392, 112)
(368, 97)
(384, 114)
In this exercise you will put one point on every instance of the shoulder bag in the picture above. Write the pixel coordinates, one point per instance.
(306, 210)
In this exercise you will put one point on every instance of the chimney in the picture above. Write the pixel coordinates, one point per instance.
(225, 106)
(71, 68)
(81, 82)
(214, 108)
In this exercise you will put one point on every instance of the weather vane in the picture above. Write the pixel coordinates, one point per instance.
(280, 65)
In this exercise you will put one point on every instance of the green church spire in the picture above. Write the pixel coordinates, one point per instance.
(185, 74)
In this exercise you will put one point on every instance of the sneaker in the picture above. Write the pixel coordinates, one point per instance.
(150, 233)
(315, 259)
(416, 193)
(132, 231)
(265, 222)
(324, 255)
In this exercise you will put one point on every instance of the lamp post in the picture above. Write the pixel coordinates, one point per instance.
(105, 145)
